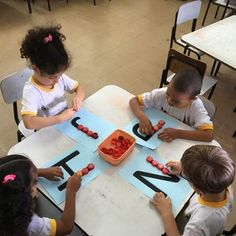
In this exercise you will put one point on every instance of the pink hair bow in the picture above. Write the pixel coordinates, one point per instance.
(9, 177)
(48, 39)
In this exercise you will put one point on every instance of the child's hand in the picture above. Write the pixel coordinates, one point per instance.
(52, 173)
(67, 114)
(73, 183)
(168, 135)
(145, 126)
(162, 204)
(76, 103)
(174, 166)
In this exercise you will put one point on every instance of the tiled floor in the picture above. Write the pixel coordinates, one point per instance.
(122, 42)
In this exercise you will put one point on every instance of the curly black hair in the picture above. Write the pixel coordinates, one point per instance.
(16, 202)
(49, 56)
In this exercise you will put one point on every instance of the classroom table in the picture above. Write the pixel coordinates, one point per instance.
(216, 40)
(108, 205)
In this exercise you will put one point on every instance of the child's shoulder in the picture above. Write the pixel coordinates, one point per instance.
(197, 104)
(158, 91)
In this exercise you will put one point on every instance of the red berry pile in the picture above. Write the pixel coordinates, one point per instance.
(89, 167)
(118, 146)
(87, 131)
(158, 126)
(159, 166)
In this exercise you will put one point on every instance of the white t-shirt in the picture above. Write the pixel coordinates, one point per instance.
(207, 218)
(42, 226)
(39, 101)
(194, 115)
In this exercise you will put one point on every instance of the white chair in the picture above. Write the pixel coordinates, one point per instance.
(209, 105)
(12, 90)
(186, 13)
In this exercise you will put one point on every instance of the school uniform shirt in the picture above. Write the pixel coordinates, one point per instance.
(207, 218)
(194, 115)
(42, 226)
(43, 102)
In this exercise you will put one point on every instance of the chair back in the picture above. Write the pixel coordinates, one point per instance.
(209, 105)
(13, 84)
(177, 61)
(12, 88)
(188, 11)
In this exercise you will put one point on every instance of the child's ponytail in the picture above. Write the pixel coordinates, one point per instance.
(44, 48)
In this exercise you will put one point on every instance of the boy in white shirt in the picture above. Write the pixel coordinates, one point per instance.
(210, 171)
(179, 100)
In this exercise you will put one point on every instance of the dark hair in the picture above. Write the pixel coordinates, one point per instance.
(50, 57)
(16, 202)
(209, 168)
(188, 81)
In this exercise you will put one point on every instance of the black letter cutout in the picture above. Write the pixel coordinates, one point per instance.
(140, 176)
(63, 164)
(73, 121)
(143, 137)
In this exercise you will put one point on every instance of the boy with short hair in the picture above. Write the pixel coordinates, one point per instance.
(210, 171)
(179, 100)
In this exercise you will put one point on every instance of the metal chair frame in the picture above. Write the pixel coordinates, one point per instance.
(12, 91)
(187, 12)
(219, 4)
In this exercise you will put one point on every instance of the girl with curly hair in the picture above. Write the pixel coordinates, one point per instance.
(44, 101)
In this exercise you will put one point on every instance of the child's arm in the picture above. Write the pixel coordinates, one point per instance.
(52, 173)
(145, 125)
(79, 96)
(163, 206)
(171, 134)
(36, 122)
(66, 224)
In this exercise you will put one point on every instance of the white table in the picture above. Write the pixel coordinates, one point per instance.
(217, 40)
(108, 205)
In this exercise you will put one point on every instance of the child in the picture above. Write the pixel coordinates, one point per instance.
(44, 101)
(179, 100)
(210, 171)
(18, 179)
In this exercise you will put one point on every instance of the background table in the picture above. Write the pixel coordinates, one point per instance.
(108, 205)
(217, 40)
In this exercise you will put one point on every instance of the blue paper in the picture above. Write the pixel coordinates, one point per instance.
(154, 116)
(77, 163)
(93, 122)
(178, 192)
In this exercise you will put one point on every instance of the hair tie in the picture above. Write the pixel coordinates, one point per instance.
(48, 39)
(9, 177)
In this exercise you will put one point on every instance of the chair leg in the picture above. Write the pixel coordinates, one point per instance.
(19, 136)
(29, 6)
(49, 6)
(94, 2)
(217, 10)
(212, 90)
(213, 67)
(217, 68)
(208, 6)
(226, 7)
